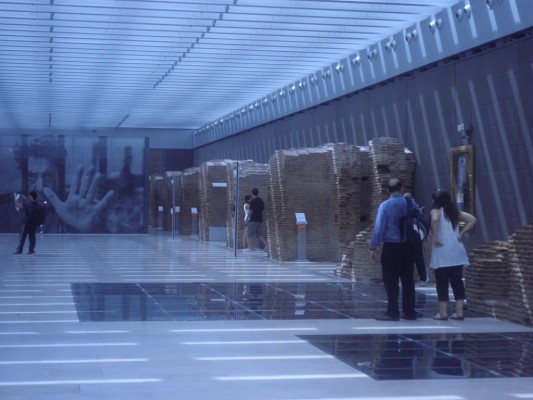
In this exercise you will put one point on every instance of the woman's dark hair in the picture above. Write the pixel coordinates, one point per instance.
(443, 199)
(247, 198)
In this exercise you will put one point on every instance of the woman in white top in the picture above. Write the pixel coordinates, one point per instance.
(448, 254)
(247, 213)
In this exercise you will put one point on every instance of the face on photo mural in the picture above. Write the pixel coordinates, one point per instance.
(42, 172)
(40, 162)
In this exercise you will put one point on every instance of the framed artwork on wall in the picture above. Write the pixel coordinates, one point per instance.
(462, 178)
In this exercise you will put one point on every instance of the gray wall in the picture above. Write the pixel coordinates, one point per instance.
(490, 91)
(159, 138)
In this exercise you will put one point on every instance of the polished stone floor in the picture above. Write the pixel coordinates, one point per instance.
(151, 317)
(233, 300)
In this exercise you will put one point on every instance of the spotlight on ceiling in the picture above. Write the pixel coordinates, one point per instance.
(302, 85)
(339, 68)
(467, 10)
(372, 54)
(292, 89)
(314, 80)
(326, 74)
(282, 93)
(390, 45)
(356, 61)
(411, 36)
(434, 24)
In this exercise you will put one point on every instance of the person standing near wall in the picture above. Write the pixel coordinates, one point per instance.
(28, 206)
(255, 225)
(397, 257)
(448, 255)
(245, 242)
(420, 262)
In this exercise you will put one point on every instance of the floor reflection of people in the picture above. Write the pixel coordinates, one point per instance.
(253, 297)
(395, 360)
(442, 358)
(448, 361)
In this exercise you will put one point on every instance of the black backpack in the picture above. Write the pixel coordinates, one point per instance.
(40, 214)
(415, 225)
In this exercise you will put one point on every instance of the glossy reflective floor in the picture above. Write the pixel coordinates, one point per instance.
(151, 317)
(433, 356)
(233, 300)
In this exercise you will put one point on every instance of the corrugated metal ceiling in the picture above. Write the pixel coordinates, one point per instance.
(173, 64)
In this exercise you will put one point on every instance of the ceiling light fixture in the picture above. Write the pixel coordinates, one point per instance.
(314, 80)
(326, 74)
(434, 24)
(372, 54)
(339, 68)
(390, 45)
(356, 61)
(411, 36)
(467, 10)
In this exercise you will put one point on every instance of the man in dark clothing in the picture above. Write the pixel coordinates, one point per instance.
(28, 206)
(397, 257)
(257, 205)
(420, 262)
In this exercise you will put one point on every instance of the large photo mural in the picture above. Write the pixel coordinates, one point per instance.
(87, 184)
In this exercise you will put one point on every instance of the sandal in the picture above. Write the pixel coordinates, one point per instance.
(437, 317)
(455, 317)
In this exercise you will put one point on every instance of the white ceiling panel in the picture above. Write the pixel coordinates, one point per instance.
(173, 64)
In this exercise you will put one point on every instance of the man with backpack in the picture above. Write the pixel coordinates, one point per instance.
(397, 254)
(33, 214)
(420, 262)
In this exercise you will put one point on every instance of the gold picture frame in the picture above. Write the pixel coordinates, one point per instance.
(462, 178)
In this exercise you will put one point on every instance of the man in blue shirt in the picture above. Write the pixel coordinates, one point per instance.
(397, 257)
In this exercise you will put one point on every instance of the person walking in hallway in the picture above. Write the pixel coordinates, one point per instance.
(255, 224)
(29, 207)
(397, 257)
(245, 240)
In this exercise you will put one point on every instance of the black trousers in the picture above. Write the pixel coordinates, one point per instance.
(27, 229)
(420, 263)
(397, 265)
(452, 276)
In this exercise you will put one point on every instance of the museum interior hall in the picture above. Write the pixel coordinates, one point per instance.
(137, 135)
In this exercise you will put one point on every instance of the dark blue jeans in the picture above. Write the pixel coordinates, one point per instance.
(397, 265)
